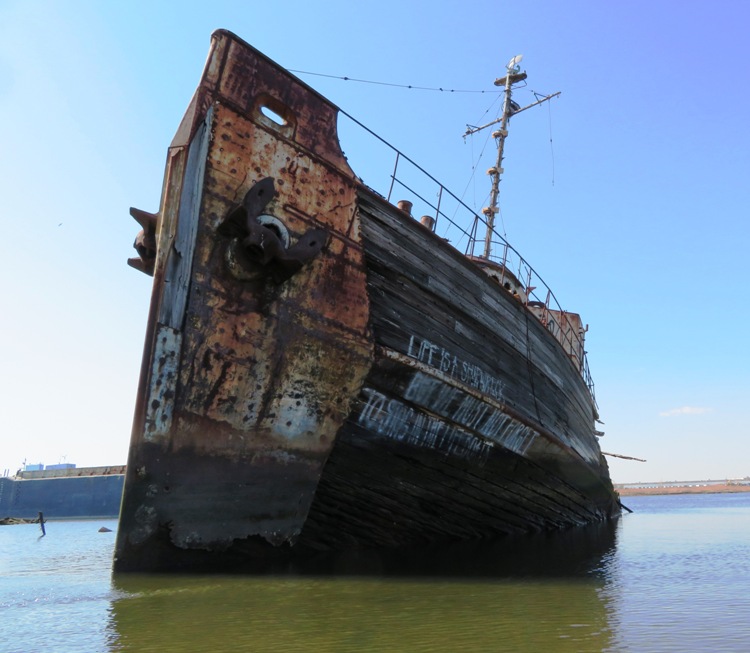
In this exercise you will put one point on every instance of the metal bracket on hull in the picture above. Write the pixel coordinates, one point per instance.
(261, 246)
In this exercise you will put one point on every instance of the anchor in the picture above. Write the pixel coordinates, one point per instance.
(263, 243)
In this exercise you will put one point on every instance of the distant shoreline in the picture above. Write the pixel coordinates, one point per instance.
(721, 488)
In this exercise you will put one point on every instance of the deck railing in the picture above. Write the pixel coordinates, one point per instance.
(451, 216)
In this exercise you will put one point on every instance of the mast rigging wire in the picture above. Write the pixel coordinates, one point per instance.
(408, 86)
(551, 148)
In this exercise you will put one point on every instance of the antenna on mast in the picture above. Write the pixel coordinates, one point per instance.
(513, 76)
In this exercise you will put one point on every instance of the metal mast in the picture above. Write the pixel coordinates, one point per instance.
(510, 108)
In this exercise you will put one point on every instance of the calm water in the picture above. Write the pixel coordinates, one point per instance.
(673, 576)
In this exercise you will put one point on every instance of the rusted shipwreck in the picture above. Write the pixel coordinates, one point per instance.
(321, 370)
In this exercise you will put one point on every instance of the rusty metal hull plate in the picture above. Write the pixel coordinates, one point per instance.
(253, 356)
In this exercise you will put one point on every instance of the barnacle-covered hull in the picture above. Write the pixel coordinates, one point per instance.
(320, 370)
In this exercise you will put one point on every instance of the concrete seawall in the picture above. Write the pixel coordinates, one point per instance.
(61, 497)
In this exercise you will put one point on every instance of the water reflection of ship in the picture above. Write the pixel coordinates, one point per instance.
(538, 593)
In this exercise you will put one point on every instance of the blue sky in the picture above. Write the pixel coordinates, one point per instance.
(629, 193)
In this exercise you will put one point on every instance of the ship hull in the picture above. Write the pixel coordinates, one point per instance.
(339, 377)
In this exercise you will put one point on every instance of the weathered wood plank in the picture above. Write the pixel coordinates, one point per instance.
(180, 258)
(432, 306)
(400, 305)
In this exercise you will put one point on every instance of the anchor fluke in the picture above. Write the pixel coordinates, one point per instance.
(145, 241)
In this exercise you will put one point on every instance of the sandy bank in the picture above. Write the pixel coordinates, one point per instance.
(682, 489)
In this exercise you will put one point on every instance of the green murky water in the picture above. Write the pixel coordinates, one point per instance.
(673, 576)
